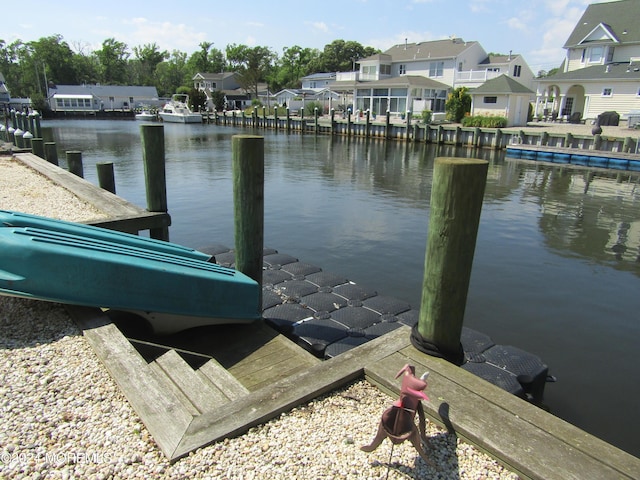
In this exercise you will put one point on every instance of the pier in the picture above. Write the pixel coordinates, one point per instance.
(530, 441)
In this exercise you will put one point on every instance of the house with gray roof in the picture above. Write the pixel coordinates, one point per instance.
(90, 99)
(502, 97)
(601, 70)
(418, 76)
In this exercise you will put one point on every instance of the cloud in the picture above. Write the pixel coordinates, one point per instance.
(384, 43)
(319, 26)
(166, 35)
(515, 23)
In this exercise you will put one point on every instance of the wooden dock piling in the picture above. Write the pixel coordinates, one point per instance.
(50, 153)
(248, 200)
(106, 178)
(74, 163)
(456, 202)
(154, 174)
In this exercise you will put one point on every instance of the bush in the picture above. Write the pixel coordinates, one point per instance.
(484, 121)
(426, 116)
(310, 107)
(458, 104)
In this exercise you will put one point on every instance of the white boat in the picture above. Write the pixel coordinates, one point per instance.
(178, 111)
(146, 116)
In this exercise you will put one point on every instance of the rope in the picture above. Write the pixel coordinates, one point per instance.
(430, 348)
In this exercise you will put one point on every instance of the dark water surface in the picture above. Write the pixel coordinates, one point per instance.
(557, 262)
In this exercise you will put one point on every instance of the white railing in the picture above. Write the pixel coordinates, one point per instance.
(476, 75)
(346, 76)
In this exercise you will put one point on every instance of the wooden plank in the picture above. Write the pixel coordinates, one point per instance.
(525, 438)
(201, 395)
(173, 388)
(144, 391)
(223, 380)
(236, 417)
(125, 216)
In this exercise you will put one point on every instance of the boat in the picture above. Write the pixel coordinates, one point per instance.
(146, 116)
(172, 287)
(177, 110)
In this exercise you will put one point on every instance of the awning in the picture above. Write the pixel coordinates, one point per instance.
(58, 95)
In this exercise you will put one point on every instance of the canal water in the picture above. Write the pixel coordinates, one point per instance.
(557, 263)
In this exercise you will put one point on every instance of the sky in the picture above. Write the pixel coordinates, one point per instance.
(536, 29)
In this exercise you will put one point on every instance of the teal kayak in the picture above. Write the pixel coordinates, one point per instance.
(172, 286)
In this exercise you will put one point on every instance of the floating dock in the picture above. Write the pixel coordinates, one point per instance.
(587, 158)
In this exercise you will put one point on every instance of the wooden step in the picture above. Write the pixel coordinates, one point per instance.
(200, 393)
(222, 380)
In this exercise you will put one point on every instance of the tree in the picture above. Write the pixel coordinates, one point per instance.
(113, 58)
(252, 64)
(147, 59)
(458, 103)
(341, 56)
(171, 73)
(292, 66)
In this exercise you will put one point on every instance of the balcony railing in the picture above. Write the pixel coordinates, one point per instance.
(476, 76)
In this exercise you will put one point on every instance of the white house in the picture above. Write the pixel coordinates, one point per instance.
(226, 82)
(503, 97)
(318, 81)
(94, 98)
(418, 76)
(601, 70)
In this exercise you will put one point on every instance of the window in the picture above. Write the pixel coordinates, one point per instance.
(385, 69)
(584, 54)
(460, 66)
(595, 56)
(402, 69)
(516, 70)
(607, 92)
(490, 100)
(436, 69)
(610, 52)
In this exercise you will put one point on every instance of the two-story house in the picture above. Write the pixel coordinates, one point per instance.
(225, 82)
(601, 70)
(418, 76)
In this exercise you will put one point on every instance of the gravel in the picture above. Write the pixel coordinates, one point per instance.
(64, 417)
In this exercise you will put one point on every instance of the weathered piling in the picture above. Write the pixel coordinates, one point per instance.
(74, 163)
(248, 201)
(37, 147)
(456, 202)
(51, 153)
(106, 177)
(154, 174)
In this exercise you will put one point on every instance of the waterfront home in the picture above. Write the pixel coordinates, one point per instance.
(502, 97)
(236, 97)
(91, 99)
(296, 98)
(418, 76)
(601, 70)
(318, 81)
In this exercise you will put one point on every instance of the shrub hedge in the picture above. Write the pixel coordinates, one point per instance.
(484, 121)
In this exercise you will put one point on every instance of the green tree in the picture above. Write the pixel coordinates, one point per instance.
(341, 56)
(292, 66)
(458, 103)
(113, 58)
(171, 73)
(58, 57)
(147, 58)
(252, 64)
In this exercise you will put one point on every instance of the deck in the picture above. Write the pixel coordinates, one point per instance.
(211, 383)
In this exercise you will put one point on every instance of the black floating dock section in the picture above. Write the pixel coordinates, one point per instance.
(328, 315)
(574, 156)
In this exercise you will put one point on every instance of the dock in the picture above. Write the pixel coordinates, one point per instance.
(585, 158)
(198, 389)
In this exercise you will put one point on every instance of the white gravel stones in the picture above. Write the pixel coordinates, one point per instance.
(63, 416)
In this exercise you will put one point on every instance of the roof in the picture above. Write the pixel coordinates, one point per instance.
(378, 57)
(502, 85)
(406, 81)
(214, 76)
(438, 49)
(105, 90)
(320, 75)
(612, 71)
(619, 18)
(499, 59)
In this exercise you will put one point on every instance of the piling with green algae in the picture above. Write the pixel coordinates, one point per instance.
(154, 174)
(248, 201)
(456, 202)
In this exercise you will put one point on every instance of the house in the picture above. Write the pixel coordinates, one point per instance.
(296, 98)
(7, 103)
(418, 76)
(95, 98)
(504, 97)
(226, 82)
(317, 81)
(601, 70)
